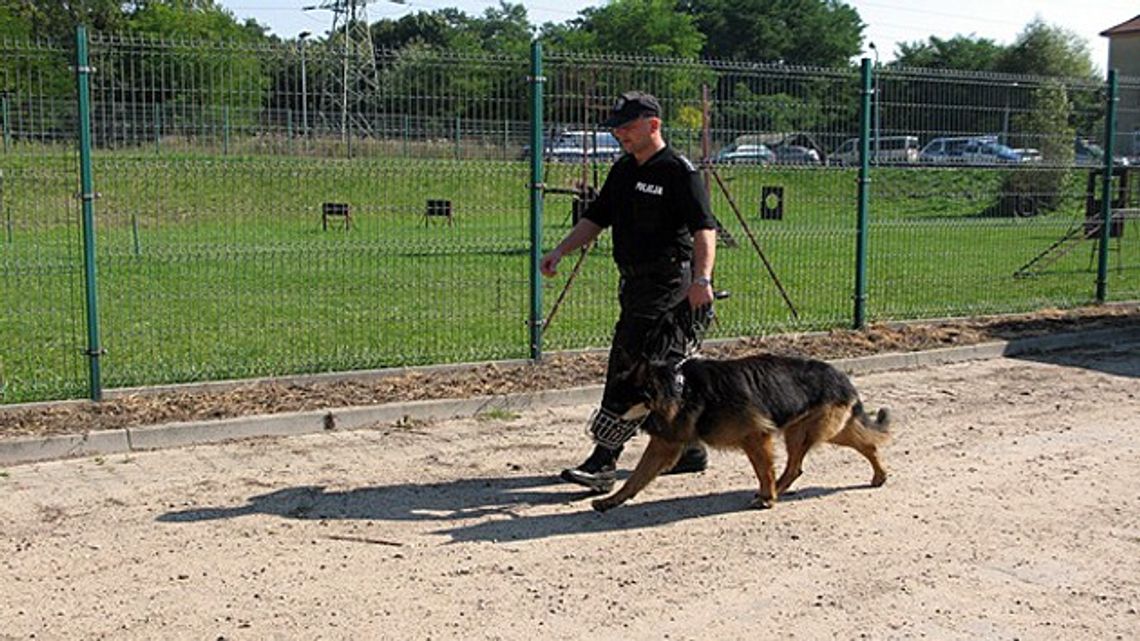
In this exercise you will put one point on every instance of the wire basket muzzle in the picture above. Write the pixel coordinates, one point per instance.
(609, 429)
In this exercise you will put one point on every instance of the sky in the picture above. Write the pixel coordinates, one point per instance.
(889, 22)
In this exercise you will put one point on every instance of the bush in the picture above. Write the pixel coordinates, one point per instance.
(1036, 189)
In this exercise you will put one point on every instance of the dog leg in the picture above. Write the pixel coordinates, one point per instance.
(659, 456)
(758, 447)
(852, 435)
(805, 432)
(800, 435)
(795, 444)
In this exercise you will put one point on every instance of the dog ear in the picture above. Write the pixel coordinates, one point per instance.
(661, 378)
(639, 373)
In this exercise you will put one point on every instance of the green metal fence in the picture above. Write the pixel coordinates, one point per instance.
(42, 328)
(222, 173)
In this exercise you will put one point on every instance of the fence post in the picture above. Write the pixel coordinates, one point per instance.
(4, 116)
(225, 130)
(1106, 189)
(7, 213)
(157, 128)
(407, 133)
(87, 194)
(864, 188)
(536, 81)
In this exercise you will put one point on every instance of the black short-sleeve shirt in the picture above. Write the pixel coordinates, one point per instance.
(653, 208)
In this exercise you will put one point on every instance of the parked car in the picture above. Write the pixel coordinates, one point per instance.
(1088, 154)
(969, 150)
(889, 150)
(987, 152)
(1029, 154)
(571, 146)
(745, 154)
(943, 150)
(796, 155)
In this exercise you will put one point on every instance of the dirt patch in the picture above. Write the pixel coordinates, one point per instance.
(557, 371)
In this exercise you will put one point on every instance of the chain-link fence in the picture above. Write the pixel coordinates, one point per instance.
(283, 209)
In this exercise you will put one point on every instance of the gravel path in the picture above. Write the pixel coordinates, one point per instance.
(1012, 512)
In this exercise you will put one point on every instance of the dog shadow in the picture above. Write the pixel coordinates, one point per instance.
(482, 500)
(630, 516)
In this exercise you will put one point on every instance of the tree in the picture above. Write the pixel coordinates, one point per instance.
(1053, 51)
(437, 30)
(501, 29)
(56, 20)
(965, 53)
(416, 47)
(568, 36)
(635, 27)
(1047, 126)
(35, 78)
(13, 24)
(1046, 50)
(1040, 50)
(223, 84)
(200, 20)
(505, 29)
(799, 32)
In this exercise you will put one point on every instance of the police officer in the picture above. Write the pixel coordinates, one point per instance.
(664, 244)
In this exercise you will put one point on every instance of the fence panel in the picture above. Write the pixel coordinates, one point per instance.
(772, 188)
(991, 215)
(42, 337)
(225, 171)
(217, 258)
(1124, 248)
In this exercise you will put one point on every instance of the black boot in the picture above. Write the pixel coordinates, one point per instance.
(598, 472)
(695, 458)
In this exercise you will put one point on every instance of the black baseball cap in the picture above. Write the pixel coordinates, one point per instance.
(630, 106)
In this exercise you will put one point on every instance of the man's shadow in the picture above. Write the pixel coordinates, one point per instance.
(494, 501)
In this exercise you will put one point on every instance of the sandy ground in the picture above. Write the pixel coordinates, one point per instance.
(1012, 512)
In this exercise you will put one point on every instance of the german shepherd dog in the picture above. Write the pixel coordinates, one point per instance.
(744, 403)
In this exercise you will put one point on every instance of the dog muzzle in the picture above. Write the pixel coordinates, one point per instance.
(612, 430)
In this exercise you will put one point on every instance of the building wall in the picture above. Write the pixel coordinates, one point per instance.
(1124, 56)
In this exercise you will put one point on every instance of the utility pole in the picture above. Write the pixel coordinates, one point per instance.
(877, 105)
(304, 89)
(357, 61)
(344, 74)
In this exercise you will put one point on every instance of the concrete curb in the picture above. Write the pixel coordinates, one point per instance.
(63, 446)
(169, 435)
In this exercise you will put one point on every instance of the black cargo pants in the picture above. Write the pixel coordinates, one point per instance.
(656, 324)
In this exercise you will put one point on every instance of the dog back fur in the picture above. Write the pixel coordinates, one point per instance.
(778, 388)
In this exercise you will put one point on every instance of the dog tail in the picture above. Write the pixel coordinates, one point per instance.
(873, 430)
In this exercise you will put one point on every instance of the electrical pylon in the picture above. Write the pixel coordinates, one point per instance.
(349, 46)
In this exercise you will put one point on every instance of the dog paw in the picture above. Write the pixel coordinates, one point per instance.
(601, 505)
(760, 503)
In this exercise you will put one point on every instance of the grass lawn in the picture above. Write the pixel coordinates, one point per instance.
(217, 267)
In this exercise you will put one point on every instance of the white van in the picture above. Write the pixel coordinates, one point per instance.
(891, 149)
(572, 146)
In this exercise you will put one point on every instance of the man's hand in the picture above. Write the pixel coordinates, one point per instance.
(700, 293)
(549, 264)
(583, 233)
